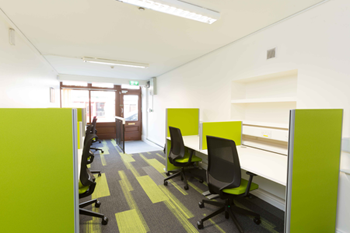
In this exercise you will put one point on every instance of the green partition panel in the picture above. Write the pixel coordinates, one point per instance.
(78, 133)
(37, 189)
(186, 119)
(226, 129)
(82, 115)
(314, 158)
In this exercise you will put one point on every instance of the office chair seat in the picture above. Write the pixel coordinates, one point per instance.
(242, 188)
(186, 158)
(82, 188)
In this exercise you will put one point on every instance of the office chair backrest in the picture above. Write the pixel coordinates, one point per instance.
(89, 129)
(94, 120)
(177, 149)
(224, 170)
(85, 176)
(88, 132)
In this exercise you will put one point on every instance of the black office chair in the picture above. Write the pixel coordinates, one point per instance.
(92, 156)
(224, 178)
(91, 129)
(94, 130)
(178, 158)
(87, 184)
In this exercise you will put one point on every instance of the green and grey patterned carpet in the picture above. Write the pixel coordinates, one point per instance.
(134, 199)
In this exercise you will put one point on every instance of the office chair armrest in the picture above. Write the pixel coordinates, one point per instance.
(251, 175)
(191, 154)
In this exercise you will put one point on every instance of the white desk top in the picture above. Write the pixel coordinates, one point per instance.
(266, 164)
(191, 142)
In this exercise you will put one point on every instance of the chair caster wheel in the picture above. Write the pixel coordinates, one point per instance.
(165, 183)
(97, 204)
(104, 221)
(257, 220)
(99, 174)
(200, 225)
(186, 187)
(201, 204)
(167, 173)
(227, 215)
(102, 151)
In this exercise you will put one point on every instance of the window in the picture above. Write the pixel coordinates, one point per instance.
(103, 105)
(76, 99)
(131, 112)
(94, 97)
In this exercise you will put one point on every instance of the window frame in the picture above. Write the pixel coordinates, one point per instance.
(89, 87)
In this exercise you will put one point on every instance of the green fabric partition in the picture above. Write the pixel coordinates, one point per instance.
(80, 114)
(226, 129)
(37, 189)
(186, 119)
(78, 133)
(315, 162)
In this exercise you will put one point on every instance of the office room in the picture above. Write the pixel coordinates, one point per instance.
(175, 116)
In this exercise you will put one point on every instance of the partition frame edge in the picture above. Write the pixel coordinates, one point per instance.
(288, 198)
(166, 143)
(75, 170)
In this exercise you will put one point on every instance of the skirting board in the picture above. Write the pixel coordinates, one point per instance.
(149, 142)
(270, 198)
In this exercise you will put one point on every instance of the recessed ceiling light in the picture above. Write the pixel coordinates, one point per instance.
(109, 62)
(178, 8)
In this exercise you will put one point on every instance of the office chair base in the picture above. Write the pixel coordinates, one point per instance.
(178, 173)
(91, 213)
(228, 207)
(87, 203)
(96, 172)
(181, 173)
(94, 214)
(97, 149)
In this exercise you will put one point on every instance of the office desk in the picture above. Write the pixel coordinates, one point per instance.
(268, 165)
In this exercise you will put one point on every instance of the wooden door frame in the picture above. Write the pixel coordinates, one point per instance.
(134, 92)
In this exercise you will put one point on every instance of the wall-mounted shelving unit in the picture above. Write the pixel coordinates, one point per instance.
(265, 98)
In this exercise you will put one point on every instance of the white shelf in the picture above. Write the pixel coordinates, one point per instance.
(266, 124)
(264, 100)
(347, 171)
(267, 76)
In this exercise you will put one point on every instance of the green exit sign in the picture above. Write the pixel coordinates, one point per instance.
(134, 83)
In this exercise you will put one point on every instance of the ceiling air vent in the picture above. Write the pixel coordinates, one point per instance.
(271, 53)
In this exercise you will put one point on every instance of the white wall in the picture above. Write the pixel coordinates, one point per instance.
(25, 79)
(316, 42)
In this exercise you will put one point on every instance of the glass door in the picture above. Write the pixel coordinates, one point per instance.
(131, 111)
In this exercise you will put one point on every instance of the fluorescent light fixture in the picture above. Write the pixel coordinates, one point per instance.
(114, 62)
(178, 8)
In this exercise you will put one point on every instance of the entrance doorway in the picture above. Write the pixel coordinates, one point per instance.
(131, 112)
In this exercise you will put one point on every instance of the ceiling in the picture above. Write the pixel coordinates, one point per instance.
(66, 30)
